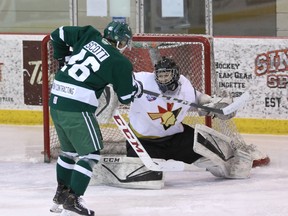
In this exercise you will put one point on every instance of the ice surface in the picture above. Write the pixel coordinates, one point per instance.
(27, 185)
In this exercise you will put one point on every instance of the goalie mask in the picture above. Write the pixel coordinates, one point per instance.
(167, 74)
(120, 34)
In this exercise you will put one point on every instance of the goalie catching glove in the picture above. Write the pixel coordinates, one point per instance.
(214, 102)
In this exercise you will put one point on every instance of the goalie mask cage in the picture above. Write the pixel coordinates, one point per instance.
(192, 53)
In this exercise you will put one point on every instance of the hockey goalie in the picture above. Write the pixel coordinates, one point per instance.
(158, 125)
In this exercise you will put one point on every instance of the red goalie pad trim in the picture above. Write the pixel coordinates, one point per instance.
(262, 162)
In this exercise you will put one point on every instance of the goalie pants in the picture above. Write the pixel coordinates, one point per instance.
(178, 147)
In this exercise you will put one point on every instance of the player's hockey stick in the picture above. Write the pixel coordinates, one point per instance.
(170, 165)
(237, 103)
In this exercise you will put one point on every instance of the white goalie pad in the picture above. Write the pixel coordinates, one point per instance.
(126, 172)
(226, 161)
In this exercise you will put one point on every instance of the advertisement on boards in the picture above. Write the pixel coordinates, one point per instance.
(258, 65)
(20, 72)
(32, 72)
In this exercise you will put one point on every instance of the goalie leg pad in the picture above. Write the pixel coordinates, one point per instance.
(210, 166)
(218, 148)
(241, 165)
(212, 144)
(203, 162)
(126, 172)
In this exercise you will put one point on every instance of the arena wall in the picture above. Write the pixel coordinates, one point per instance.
(257, 64)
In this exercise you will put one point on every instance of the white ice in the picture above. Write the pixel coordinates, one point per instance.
(27, 185)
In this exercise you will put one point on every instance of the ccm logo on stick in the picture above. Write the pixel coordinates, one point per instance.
(129, 136)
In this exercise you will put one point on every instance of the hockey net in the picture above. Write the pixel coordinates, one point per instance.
(192, 53)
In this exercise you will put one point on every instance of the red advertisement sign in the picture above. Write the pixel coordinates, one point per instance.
(32, 72)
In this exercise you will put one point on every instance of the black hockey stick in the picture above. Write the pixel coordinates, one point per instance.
(237, 103)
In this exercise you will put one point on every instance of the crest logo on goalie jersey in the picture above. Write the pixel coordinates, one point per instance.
(168, 116)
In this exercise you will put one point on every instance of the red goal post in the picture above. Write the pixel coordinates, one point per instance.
(193, 54)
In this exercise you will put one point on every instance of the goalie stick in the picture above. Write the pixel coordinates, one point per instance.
(237, 103)
(170, 165)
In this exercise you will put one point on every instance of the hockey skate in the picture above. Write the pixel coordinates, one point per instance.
(62, 193)
(74, 205)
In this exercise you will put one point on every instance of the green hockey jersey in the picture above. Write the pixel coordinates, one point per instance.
(94, 63)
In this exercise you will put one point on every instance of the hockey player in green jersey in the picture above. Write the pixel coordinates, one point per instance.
(89, 62)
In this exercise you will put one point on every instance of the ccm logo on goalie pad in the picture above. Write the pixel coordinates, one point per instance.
(129, 136)
(112, 160)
